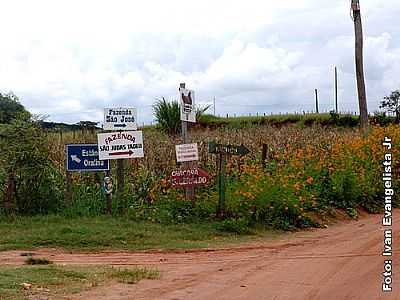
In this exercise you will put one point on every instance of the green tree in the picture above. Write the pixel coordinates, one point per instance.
(29, 182)
(391, 104)
(11, 108)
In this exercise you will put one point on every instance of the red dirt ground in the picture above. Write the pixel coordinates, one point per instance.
(341, 262)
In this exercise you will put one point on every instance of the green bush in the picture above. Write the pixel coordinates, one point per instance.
(25, 164)
(168, 115)
(239, 226)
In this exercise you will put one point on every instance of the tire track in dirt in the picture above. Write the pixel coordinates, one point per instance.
(341, 262)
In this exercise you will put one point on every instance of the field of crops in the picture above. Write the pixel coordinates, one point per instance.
(309, 170)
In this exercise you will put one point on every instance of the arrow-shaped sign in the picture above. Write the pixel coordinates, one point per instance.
(242, 150)
(76, 159)
(130, 152)
(120, 125)
(227, 149)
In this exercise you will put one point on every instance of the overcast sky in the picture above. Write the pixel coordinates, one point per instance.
(70, 59)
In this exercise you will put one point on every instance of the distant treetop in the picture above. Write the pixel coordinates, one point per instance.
(11, 109)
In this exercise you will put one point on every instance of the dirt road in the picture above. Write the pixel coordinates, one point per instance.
(341, 262)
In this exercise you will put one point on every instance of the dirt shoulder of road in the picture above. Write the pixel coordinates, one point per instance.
(343, 261)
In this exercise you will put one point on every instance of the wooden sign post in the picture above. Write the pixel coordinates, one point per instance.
(81, 158)
(223, 151)
(187, 112)
(120, 141)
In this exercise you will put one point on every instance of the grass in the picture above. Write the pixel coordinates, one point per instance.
(103, 232)
(130, 276)
(52, 280)
(279, 120)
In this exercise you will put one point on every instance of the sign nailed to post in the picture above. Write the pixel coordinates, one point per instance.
(227, 149)
(126, 144)
(120, 119)
(187, 152)
(189, 177)
(188, 111)
(223, 151)
(83, 157)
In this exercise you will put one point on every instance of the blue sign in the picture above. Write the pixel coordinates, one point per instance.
(84, 157)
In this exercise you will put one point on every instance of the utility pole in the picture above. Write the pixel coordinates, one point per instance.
(214, 106)
(362, 97)
(316, 101)
(336, 91)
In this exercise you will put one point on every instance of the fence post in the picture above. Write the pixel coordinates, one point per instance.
(264, 155)
(221, 184)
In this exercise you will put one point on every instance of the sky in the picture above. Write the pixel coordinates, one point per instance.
(67, 60)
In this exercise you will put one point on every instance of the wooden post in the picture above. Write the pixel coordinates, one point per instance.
(189, 191)
(221, 184)
(316, 101)
(336, 91)
(108, 197)
(362, 97)
(121, 180)
(264, 155)
(68, 189)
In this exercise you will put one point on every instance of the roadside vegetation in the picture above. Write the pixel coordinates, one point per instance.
(116, 232)
(312, 167)
(48, 282)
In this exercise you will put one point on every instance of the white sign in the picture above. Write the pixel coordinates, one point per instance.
(120, 119)
(125, 144)
(188, 111)
(186, 152)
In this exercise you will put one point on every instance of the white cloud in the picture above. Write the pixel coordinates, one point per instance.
(69, 59)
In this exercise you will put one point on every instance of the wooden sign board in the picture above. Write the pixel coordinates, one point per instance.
(120, 119)
(187, 152)
(125, 144)
(227, 149)
(189, 178)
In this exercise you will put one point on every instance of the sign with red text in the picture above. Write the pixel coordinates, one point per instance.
(125, 144)
(189, 177)
(187, 152)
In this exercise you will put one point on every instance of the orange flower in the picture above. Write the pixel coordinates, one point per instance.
(310, 180)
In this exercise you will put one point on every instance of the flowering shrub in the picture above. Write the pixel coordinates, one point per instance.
(309, 171)
(346, 173)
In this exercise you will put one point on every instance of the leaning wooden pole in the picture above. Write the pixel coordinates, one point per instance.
(362, 97)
